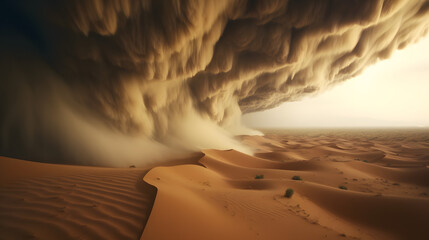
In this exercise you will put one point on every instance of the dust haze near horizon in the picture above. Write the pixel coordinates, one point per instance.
(392, 93)
(97, 81)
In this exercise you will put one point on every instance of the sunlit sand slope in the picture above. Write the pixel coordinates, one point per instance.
(384, 198)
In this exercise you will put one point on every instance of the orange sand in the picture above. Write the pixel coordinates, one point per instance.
(216, 195)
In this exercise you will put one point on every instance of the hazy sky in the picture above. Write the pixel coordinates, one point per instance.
(393, 92)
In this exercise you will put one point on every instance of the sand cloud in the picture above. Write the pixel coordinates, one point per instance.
(124, 75)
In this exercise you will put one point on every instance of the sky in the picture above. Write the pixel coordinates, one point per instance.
(391, 93)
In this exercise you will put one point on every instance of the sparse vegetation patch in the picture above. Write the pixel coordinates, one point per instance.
(260, 176)
(289, 193)
(296, 178)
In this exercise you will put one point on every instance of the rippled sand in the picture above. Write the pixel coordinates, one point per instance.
(214, 194)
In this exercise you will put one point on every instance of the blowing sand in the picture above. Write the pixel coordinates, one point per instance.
(214, 195)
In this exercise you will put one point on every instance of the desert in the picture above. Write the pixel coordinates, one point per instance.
(214, 194)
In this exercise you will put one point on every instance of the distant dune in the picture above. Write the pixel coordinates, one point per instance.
(384, 194)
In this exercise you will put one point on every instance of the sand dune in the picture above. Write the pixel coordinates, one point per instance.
(46, 201)
(214, 194)
(222, 199)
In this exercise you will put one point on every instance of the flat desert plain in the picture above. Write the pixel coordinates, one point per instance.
(347, 184)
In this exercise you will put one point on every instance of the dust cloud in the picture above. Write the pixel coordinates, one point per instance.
(114, 82)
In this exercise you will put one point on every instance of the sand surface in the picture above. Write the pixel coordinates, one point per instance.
(214, 194)
(46, 201)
